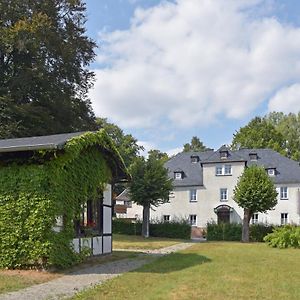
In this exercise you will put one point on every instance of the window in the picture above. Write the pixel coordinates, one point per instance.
(195, 159)
(223, 154)
(254, 219)
(193, 195)
(284, 218)
(271, 172)
(223, 170)
(284, 193)
(227, 170)
(253, 156)
(193, 220)
(223, 195)
(128, 203)
(178, 175)
(219, 170)
(166, 218)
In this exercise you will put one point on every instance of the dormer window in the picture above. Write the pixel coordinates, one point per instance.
(271, 171)
(178, 175)
(195, 159)
(223, 154)
(253, 156)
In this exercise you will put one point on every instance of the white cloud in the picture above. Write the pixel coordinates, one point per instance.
(191, 62)
(287, 99)
(147, 147)
(174, 151)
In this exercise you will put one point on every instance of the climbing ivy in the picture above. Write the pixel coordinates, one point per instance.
(35, 191)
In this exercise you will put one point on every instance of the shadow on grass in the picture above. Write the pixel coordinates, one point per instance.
(174, 262)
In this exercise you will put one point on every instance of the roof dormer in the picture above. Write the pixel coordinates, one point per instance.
(224, 154)
(178, 174)
(253, 156)
(271, 171)
(195, 159)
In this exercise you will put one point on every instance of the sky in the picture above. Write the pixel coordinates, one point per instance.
(167, 70)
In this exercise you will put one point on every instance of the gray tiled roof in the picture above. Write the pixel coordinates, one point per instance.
(56, 141)
(287, 170)
(192, 171)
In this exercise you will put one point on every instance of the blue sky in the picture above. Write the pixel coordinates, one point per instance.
(169, 70)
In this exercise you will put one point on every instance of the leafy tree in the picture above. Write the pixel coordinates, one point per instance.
(157, 154)
(289, 127)
(126, 143)
(44, 79)
(259, 133)
(195, 145)
(255, 192)
(150, 186)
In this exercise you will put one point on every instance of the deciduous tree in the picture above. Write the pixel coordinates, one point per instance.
(150, 186)
(44, 79)
(254, 192)
(194, 145)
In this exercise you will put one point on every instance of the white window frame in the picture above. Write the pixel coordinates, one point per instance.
(222, 170)
(178, 175)
(195, 159)
(193, 195)
(226, 167)
(224, 154)
(193, 220)
(223, 191)
(271, 172)
(284, 195)
(284, 218)
(166, 218)
(254, 218)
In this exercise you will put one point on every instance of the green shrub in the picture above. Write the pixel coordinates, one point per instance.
(259, 231)
(287, 236)
(173, 229)
(233, 232)
(224, 232)
(126, 226)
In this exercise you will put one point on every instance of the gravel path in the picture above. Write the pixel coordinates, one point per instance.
(68, 285)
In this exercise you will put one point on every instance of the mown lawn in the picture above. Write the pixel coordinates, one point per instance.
(12, 280)
(217, 271)
(122, 241)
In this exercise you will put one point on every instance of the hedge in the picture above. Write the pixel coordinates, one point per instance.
(172, 229)
(233, 232)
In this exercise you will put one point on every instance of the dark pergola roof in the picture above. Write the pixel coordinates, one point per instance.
(48, 142)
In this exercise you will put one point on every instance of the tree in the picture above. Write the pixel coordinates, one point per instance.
(254, 192)
(150, 186)
(157, 154)
(126, 143)
(44, 79)
(289, 127)
(259, 133)
(195, 145)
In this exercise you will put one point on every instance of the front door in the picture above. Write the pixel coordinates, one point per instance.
(223, 216)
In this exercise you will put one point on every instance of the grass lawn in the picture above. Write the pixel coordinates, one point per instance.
(122, 241)
(12, 280)
(215, 271)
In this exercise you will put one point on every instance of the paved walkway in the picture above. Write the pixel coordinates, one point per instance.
(68, 285)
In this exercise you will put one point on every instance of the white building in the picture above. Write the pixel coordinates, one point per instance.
(204, 184)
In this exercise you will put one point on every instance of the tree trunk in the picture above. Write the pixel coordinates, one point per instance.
(246, 229)
(146, 218)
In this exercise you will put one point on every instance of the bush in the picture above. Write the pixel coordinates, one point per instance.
(233, 232)
(224, 232)
(126, 226)
(259, 231)
(287, 236)
(172, 229)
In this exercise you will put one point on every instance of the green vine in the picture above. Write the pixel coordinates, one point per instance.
(35, 191)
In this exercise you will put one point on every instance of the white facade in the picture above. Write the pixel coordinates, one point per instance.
(184, 205)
